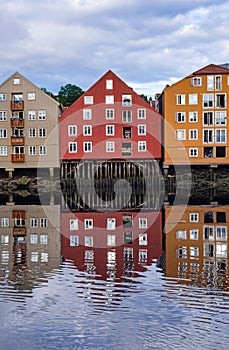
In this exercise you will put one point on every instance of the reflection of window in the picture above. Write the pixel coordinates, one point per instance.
(74, 240)
(208, 249)
(128, 253)
(33, 222)
(5, 239)
(33, 239)
(43, 222)
(87, 130)
(44, 239)
(5, 222)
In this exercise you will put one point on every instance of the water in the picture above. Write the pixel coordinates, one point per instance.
(57, 296)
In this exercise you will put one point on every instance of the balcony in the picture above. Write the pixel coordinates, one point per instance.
(17, 141)
(17, 105)
(16, 123)
(17, 158)
(19, 231)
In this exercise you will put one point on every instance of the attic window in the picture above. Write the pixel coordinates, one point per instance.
(16, 81)
(196, 81)
(109, 84)
(126, 100)
(88, 100)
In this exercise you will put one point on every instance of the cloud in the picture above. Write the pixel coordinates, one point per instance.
(56, 42)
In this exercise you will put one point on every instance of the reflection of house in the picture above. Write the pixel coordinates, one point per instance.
(29, 241)
(195, 115)
(29, 126)
(114, 244)
(197, 244)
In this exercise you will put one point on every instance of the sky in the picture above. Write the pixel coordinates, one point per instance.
(148, 44)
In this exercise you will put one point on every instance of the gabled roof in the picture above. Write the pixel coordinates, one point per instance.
(211, 69)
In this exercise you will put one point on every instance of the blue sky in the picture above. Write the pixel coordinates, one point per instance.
(147, 43)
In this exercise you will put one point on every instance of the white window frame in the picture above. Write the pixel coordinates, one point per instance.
(142, 223)
(193, 117)
(3, 116)
(43, 222)
(109, 84)
(88, 224)
(142, 146)
(87, 146)
(109, 113)
(42, 132)
(180, 117)
(44, 238)
(194, 234)
(221, 233)
(181, 234)
(193, 152)
(33, 238)
(110, 130)
(88, 241)
(109, 99)
(127, 116)
(3, 151)
(87, 130)
(221, 136)
(193, 99)
(88, 100)
(196, 81)
(34, 222)
(181, 99)
(73, 240)
(194, 217)
(110, 146)
(73, 224)
(111, 223)
(193, 134)
(220, 118)
(3, 133)
(208, 136)
(5, 222)
(217, 105)
(143, 238)
(141, 129)
(32, 150)
(72, 147)
(43, 150)
(111, 240)
(180, 134)
(32, 115)
(2, 97)
(141, 113)
(32, 133)
(208, 101)
(72, 130)
(87, 114)
(31, 96)
(42, 114)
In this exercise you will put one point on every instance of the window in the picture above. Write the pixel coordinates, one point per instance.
(42, 115)
(142, 239)
(111, 224)
(110, 146)
(194, 217)
(109, 113)
(111, 240)
(221, 250)
(181, 252)
(221, 233)
(73, 224)
(127, 100)
(5, 239)
(193, 117)
(5, 257)
(181, 134)
(194, 234)
(128, 237)
(141, 113)
(141, 130)
(32, 133)
(208, 118)
(220, 101)
(220, 136)
(208, 232)
(127, 132)
(44, 257)
(31, 96)
(72, 130)
(72, 147)
(43, 222)
(128, 253)
(87, 146)
(193, 152)
(142, 222)
(34, 256)
(5, 222)
(194, 251)
(126, 149)
(193, 134)
(74, 241)
(210, 82)
(3, 151)
(208, 152)
(33, 238)
(88, 241)
(42, 150)
(181, 99)
(208, 249)
(87, 114)
(3, 133)
(110, 130)
(180, 117)
(218, 82)
(220, 118)
(221, 216)
(109, 84)
(193, 99)
(44, 239)
(89, 255)
(88, 224)
(181, 234)
(127, 220)
(196, 81)
(141, 146)
(208, 100)
(142, 256)
(209, 217)
(32, 115)
(33, 222)
(17, 81)
(87, 130)
(127, 116)
(208, 136)
(2, 115)
(220, 152)
(88, 100)
(42, 132)
(109, 99)
(2, 97)
(32, 150)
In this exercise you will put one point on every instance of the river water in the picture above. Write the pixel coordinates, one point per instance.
(167, 289)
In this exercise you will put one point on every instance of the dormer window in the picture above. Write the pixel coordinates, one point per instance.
(126, 100)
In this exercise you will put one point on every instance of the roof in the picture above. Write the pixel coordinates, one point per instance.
(212, 69)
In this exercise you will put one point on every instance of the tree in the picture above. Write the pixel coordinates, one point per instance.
(69, 94)
(49, 93)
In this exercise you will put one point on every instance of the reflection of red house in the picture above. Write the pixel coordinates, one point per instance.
(110, 121)
(114, 244)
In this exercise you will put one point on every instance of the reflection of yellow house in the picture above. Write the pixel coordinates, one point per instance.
(29, 242)
(195, 118)
(197, 244)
